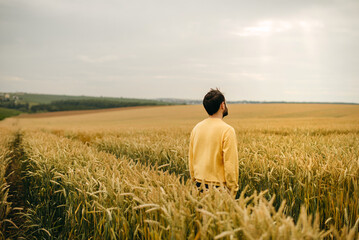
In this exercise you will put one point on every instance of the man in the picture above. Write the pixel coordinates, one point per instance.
(213, 155)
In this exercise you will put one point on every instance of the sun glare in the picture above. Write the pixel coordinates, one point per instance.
(269, 27)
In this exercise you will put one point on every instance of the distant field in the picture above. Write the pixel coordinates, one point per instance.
(123, 174)
(48, 98)
(240, 115)
(42, 103)
(75, 112)
(5, 112)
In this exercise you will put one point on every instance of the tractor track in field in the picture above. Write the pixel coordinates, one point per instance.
(14, 227)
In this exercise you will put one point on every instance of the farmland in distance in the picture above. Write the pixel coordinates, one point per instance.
(123, 174)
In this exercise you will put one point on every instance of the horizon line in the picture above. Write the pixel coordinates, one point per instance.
(199, 100)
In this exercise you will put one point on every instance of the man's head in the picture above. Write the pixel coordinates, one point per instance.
(214, 101)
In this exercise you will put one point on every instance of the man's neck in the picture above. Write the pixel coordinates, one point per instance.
(218, 115)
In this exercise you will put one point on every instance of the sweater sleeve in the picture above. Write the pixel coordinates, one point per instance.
(190, 157)
(230, 160)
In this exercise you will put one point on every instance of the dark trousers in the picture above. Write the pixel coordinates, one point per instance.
(199, 185)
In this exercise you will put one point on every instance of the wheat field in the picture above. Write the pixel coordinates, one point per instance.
(124, 175)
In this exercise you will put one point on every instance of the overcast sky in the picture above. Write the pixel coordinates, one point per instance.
(252, 50)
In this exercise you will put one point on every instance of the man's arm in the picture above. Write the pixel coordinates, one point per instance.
(190, 157)
(230, 159)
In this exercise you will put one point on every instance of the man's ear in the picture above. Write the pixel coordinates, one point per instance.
(223, 105)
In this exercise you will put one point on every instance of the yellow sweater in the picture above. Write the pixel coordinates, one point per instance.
(213, 155)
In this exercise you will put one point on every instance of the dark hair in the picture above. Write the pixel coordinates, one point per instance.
(212, 101)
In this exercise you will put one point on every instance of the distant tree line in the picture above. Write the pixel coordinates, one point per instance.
(81, 104)
(88, 104)
(23, 107)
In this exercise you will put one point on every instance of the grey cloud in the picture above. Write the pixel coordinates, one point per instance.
(255, 50)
